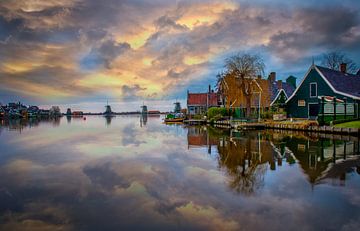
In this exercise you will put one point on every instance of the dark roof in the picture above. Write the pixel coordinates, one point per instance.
(274, 88)
(342, 82)
(201, 99)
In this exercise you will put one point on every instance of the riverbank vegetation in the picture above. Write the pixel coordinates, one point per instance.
(352, 124)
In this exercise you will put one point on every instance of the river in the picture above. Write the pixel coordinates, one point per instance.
(134, 173)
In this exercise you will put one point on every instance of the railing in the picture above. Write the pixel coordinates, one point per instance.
(337, 111)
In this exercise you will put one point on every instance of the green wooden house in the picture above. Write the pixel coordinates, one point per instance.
(318, 86)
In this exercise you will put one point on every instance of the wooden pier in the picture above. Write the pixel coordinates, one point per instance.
(195, 122)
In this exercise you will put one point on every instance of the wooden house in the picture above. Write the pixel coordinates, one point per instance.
(266, 93)
(320, 84)
(199, 103)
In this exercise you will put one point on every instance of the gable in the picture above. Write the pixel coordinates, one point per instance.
(323, 87)
(280, 98)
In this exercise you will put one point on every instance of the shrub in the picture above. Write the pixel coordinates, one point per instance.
(216, 112)
(197, 117)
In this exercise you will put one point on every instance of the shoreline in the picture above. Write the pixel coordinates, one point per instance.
(238, 125)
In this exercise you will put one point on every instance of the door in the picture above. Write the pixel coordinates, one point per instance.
(313, 110)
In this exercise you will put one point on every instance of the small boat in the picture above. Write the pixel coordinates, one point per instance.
(174, 120)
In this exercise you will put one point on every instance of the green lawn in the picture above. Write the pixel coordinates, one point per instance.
(352, 124)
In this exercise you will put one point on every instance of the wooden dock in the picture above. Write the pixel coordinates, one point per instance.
(242, 125)
(239, 125)
(195, 122)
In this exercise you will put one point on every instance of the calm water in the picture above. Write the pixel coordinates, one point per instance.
(126, 173)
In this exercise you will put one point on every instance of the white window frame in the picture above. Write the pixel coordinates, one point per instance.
(316, 90)
(302, 105)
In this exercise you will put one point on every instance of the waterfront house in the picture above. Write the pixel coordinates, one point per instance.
(199, 103)
(323, 84)
(16, 110)
(33, 111)
(267, 93)
(44, 113)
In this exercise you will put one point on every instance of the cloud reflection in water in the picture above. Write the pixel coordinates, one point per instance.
(93, 175)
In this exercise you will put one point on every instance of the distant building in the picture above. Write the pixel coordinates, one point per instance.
(78, 113)
(2, 111)
(153, 112)
(44, 112)
(144, 109)
(320, 83)
(177, 107)
(199, 103)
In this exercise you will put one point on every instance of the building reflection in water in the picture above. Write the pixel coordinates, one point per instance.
(108, 120)
(143, 119)
(246, 157)
(21, 124)
(68, 119)
(326, 159)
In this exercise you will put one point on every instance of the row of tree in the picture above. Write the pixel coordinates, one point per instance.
(244, 68)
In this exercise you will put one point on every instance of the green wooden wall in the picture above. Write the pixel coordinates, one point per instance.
(303, 93)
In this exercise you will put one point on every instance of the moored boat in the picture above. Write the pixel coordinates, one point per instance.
(174, 120)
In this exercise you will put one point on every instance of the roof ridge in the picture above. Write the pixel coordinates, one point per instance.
(338, 71)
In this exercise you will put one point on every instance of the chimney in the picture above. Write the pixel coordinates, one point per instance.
(343, 67)
(259, 76)
(279, 84)
(291, 80)
(272, 77)
(209, 88)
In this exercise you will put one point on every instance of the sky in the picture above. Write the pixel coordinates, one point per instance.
(84, 52)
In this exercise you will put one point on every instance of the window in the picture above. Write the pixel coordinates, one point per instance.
(313, 90)
(301, 103)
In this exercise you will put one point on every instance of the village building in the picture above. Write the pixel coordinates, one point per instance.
(199, 103)
(325, 90)
(2, 111)
(266, 93)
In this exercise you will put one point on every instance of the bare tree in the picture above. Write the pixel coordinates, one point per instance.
(245, 68)
(333, 60)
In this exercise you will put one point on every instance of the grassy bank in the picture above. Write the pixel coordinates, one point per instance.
(352, 124)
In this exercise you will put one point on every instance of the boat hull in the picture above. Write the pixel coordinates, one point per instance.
(175, 120)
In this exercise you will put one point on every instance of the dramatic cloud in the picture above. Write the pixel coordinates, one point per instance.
(73, 50)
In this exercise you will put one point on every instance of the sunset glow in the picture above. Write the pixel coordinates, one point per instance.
(66, 51)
